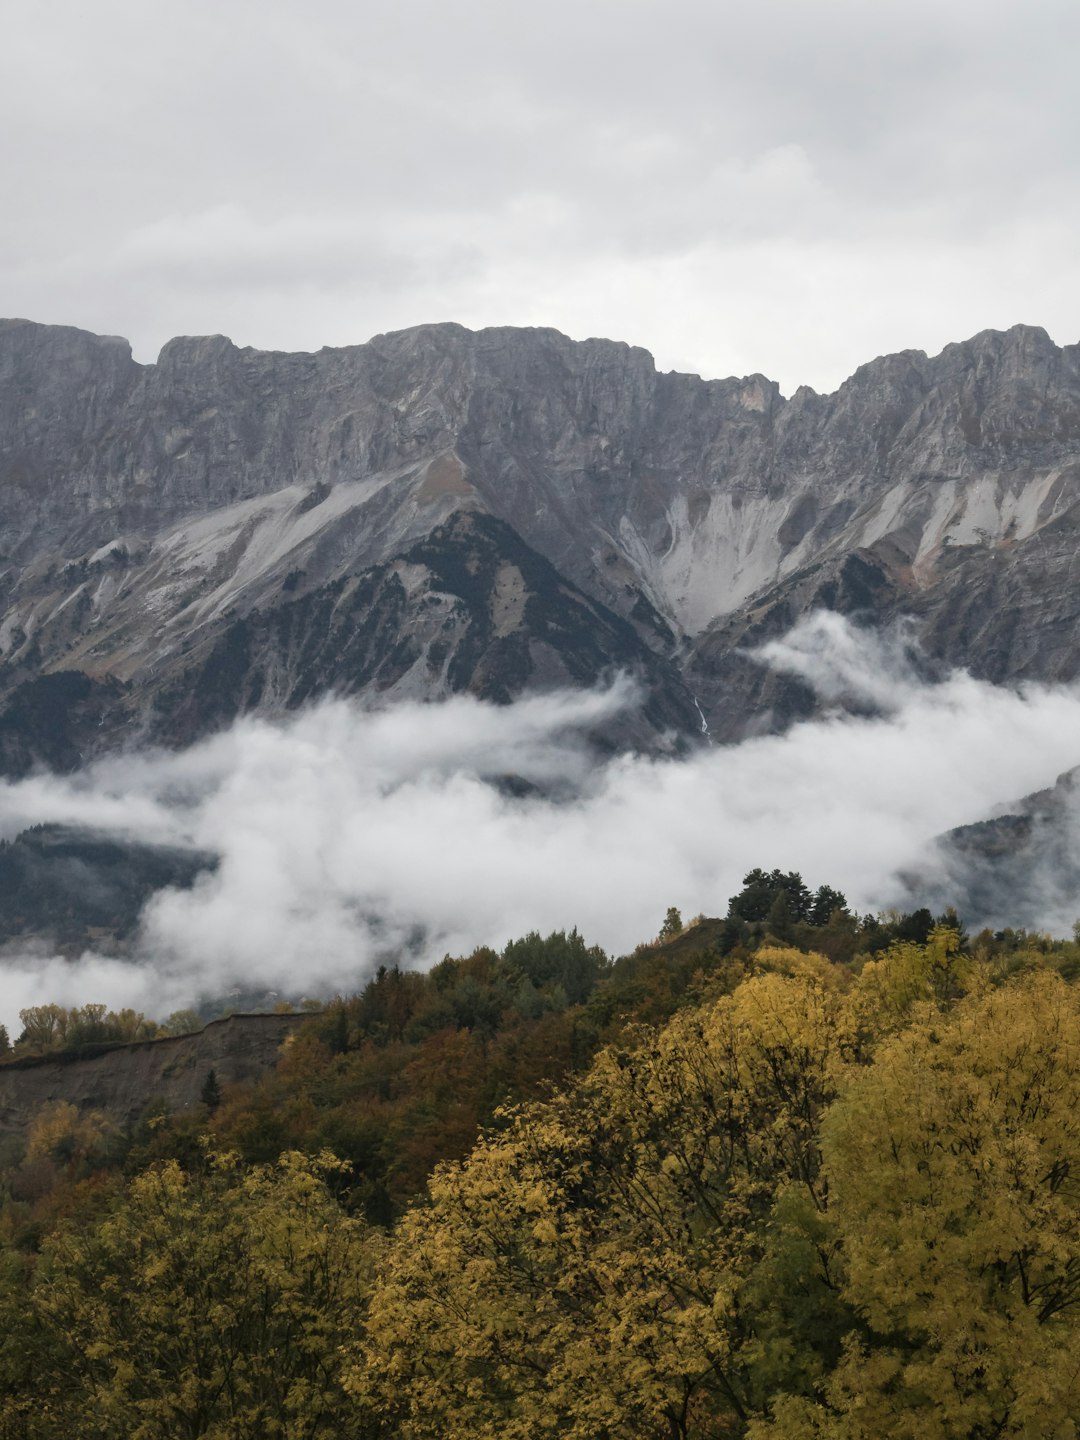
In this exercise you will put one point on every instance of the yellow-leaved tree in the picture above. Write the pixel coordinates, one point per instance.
(908, 974)
(204, 1305)
(584, 1273)
(953, 1165)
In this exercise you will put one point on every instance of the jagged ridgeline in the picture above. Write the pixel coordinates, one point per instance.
(785, 1173)
(438, 510)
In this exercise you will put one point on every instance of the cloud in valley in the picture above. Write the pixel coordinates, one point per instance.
(348, 836)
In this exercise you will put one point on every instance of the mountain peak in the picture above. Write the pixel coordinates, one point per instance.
(238, 498)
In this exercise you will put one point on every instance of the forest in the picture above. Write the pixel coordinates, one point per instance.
(788, 1174)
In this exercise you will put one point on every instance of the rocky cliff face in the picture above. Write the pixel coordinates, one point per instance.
(440, 510)
(1020, 867)
(123, 1081)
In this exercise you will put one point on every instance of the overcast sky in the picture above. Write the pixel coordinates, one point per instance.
(787, 187)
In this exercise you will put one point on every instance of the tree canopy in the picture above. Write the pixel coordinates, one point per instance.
(721, 1187)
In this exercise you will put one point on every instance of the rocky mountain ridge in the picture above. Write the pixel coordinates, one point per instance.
(442, 510)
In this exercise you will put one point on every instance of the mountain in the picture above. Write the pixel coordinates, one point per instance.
(1019, 867)
(85, 889)
(440, 510)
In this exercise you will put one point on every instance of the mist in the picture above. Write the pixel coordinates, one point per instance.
(351, 836)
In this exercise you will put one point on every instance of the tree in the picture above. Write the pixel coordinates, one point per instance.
(760, 891)
(183, 1022)
(559, 961)
(29, 1349)
(953, 1165)
(210, 1094)
(672, 926)
(52, 1027)
(212, 1304)
(779, 918)
(44, 1026)
(910, 974)
(826, 903)
(61, 1133)
(88, 1024)
(581, 1273)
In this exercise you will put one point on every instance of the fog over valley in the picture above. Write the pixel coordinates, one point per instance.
(351, 836)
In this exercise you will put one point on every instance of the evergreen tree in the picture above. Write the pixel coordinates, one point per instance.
(825, 904)
(210, 1095)
(778, 920)
(672, 925)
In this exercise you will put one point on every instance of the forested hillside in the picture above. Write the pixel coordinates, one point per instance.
(788, 1173)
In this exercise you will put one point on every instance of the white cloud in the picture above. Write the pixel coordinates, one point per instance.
(346, 834)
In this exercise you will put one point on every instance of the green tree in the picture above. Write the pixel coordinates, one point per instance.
(30, 1349)
(779, 918)
(826, 903)
(672, 926)
(210, 1094)
(760, 891)
(558, 962)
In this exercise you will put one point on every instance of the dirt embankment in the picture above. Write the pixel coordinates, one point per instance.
(123, 1080)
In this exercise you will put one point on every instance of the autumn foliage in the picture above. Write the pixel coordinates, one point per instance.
(772, 1196)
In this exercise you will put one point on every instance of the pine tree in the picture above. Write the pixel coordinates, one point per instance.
(210, 1095)
(672, 925)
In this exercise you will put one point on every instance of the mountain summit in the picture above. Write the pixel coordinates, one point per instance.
(443, 510)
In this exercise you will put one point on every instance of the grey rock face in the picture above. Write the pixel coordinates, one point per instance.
(125, 1080)
(152, 516)
(1020, 867)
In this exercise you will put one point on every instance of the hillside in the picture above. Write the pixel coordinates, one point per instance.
(121, 1081)
(720, 1187)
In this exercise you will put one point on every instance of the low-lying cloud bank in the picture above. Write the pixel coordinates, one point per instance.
(349, 836)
